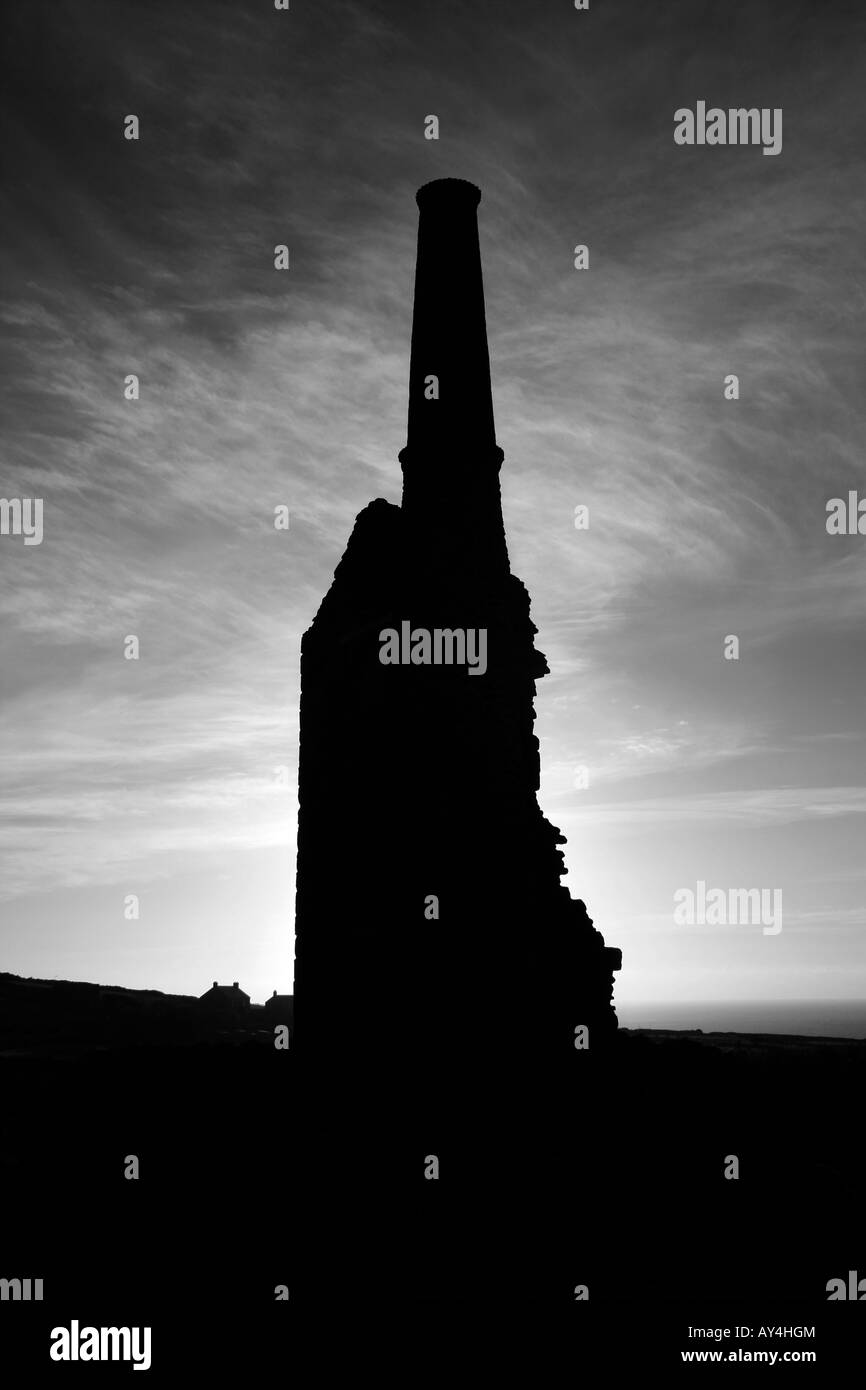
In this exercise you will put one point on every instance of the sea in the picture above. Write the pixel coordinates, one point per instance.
(826, 1018)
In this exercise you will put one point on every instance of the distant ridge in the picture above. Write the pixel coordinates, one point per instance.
(63, 1018)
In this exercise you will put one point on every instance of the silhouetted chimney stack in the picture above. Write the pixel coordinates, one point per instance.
(435, 774)
(451, 451)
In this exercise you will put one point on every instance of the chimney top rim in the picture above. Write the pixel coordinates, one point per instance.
(449, 192)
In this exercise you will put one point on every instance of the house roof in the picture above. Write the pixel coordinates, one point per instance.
(225, 991)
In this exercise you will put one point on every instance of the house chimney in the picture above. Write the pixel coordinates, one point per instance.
(215, 985)
(234, 984)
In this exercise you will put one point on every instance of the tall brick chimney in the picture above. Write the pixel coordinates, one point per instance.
(451, 450)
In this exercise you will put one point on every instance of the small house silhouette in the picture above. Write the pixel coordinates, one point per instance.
(280, 1008)
(225, 999)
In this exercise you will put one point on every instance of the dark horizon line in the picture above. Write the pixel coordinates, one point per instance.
(627, 1006)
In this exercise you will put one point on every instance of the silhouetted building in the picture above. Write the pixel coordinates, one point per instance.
(225, 999)
(280, 1008)
(428, 881)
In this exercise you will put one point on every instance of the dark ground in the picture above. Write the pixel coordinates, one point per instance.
(251, 1177)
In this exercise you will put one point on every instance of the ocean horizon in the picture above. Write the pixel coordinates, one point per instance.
(824, 1018)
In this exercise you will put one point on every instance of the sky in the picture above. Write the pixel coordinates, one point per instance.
(173, 777)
